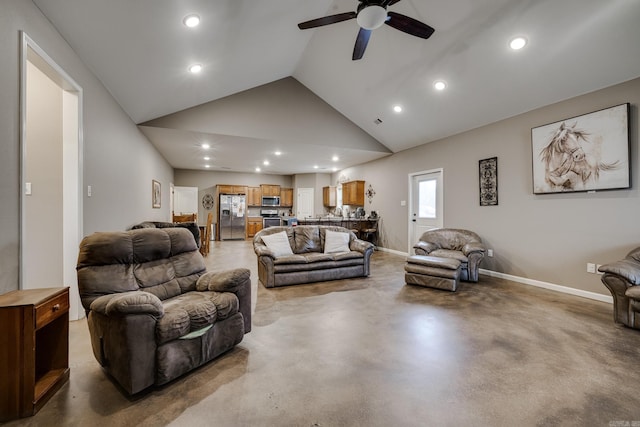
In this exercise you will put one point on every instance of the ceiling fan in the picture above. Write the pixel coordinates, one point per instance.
(370, 15)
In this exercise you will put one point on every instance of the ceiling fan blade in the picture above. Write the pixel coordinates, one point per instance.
(409, 25)
(386, 3)
(326, 20)
(361, 44)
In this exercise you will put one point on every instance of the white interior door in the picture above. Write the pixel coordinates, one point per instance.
(304, 203)
(426, 206)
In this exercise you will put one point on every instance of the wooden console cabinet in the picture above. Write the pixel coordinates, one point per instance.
(34, 349)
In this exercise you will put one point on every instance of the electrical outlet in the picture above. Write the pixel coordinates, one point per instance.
(490, 253)
(88, 191)
(591, 267)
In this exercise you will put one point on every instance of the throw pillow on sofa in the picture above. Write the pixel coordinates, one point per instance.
(278, 243)
(335, 242)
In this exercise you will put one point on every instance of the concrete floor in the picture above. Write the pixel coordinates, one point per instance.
(375, 352)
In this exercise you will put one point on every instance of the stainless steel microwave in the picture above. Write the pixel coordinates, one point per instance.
(270, 200)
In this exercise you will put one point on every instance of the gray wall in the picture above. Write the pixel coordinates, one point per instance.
(549, 238)
(119, 162)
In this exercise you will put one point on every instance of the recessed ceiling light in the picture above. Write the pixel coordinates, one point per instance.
(335, 158)
(335, 169)
(397, 109)
(205, 146)
(257, 169)
(207, 158)
(440, 85)
(195, 68)
(266, 163)
(277, 153)
(207, 166)
(518, 43)
(191, 21)
(316, 166)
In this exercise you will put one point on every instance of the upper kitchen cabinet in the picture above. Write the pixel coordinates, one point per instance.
(329, 196)
(270, 190)
(254, 196)
(232, 189)
(286, 197)
(353, 193)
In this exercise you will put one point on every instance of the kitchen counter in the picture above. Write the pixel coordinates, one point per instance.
(364, 228)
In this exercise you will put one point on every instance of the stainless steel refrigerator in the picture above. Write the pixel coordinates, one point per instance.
(232, 216)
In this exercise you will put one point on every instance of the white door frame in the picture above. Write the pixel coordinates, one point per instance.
(72, 230)
(410, 223)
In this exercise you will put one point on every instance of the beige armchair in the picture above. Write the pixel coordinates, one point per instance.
(622, 278)
(462, 245)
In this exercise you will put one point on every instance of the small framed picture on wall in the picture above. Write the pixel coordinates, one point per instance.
(156, 194)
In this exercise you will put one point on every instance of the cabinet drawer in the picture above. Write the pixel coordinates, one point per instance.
(51, 309)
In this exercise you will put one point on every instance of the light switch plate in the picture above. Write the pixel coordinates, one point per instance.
(27, 188)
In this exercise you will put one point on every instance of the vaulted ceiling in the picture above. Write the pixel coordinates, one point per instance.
(267, 85)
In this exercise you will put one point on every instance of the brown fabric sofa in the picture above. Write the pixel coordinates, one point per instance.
(309, 263)
(463, 245)
(622, 278)
(153, 311)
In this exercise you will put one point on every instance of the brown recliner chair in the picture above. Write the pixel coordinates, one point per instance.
(622, 278)
(462, 245)
(154, 312)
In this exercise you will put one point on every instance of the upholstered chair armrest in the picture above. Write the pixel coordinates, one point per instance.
(360, 245)
(264, 251)
(628, 268)
(237, 281)
(135, 302)
(223, 281)
(424, 248)
(473, 247)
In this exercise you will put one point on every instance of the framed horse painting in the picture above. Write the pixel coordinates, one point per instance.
(583, 153)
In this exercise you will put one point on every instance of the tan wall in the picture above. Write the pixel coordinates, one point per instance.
(549, 238)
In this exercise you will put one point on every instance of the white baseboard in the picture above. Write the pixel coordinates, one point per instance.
(530, 282)
(550, 286)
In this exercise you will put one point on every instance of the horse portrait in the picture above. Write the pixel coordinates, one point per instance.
(567, 165)
(583, 153)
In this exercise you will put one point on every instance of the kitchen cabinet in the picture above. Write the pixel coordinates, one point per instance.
(353, 193)
(329, 196)
(232, 189)
(254, 196)
(286, 197)
(34, 356)
(254, 224)
(270, 190)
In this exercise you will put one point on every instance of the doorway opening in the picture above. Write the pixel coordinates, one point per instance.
(426, 207)
(51, 223)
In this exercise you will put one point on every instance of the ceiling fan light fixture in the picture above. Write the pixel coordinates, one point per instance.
(195, 68)
(372, 17)
(440, 85)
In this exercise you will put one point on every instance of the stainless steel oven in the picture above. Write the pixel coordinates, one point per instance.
(271, 222)
(270, 218)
